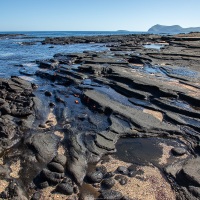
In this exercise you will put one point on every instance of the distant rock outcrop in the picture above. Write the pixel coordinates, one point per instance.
(122, 31)
(172, 29)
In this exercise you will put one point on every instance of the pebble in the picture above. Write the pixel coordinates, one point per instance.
(56, 167)
(111, 194)
(36, 196)
(102, 169)
(109, 174)
(44, 184)
(108, 183)
(52, 105)
(178, 151)
(123, 170)
(61, 159)
(48, 94)
(42, 126)
(95, 177)
(65, 188)
(121, 179)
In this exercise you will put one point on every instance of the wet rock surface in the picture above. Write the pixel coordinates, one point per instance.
(17, 110)
(91, 101)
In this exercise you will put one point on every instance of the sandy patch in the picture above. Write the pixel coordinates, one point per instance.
(188, 87)
(47, 194)
(166, 153)
(1, 161)
(51, 120)
(59, 134)
(138, 65)
(15, 168)
(3, 185)
(156, 114)
(61, 150)
(151, 185)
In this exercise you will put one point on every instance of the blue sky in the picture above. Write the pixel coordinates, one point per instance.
(102, 15)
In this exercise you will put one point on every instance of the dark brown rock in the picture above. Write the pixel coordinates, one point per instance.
(111, 195)
(56, 167)
(108, 183)
(95, 177)
(178, 151)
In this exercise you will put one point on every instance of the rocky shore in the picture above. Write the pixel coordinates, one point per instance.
(70, 139)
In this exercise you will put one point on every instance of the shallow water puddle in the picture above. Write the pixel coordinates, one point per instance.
(142, 151)
(153, 46)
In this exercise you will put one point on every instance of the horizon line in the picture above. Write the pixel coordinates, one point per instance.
(73, 31)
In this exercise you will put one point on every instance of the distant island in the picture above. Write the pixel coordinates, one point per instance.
(122, 31)
(172, 29)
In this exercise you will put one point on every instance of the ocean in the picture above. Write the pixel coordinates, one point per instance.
(14, 55)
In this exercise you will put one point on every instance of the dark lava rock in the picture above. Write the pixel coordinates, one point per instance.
(7, 129)
(195, 191)
(67, 180)
(58, 99)
(76, 190)
(61, 159)
(111, 195)
(5, 109)
(76, 163)
(178, 151)
(44, 184)
(15, 192)
(137, 116)
(36, 196)
(42, 126)
(123, 170)
(132, 167)
(52, 177)
(34, 86)
(104, 143)
(56, 167)
(48, 94)
(121, 179)
(102, 169)
(4, 195)
(52, 105)
(132, 173)
(45, 145)
(45, 64)
(65, 188)
(83, 116)
(95, 177)
(108, 183)
(190, 172)
(109, 174)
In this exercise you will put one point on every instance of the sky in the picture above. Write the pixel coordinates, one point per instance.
(96, 15)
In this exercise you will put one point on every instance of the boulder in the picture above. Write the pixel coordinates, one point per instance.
(45, 146)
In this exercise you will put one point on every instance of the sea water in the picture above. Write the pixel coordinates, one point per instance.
(14, 55)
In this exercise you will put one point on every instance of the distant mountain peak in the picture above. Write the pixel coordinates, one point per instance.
(172, 29)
